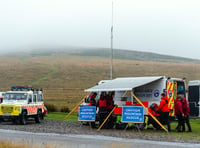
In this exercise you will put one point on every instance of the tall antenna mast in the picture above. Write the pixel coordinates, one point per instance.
(111, 46)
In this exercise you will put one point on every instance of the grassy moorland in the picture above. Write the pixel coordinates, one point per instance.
(64, 75)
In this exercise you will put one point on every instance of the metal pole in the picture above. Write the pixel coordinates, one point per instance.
(111, 46)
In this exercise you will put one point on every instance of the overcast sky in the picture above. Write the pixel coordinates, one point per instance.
(162, 26)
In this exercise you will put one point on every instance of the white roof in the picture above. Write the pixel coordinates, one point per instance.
(124, 84)
(194, 83)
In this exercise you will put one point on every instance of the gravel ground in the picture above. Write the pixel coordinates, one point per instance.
(52, 126)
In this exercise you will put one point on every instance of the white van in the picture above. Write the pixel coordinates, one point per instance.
(194, 97)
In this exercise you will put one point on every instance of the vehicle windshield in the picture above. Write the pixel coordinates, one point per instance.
(15, 96)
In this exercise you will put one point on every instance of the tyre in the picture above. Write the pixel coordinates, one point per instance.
(23, 118)
(14, 121)
(39, 117)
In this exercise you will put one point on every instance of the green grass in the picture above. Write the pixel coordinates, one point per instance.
(60, 116)
(194, 135)
(195, 123)
(182, 136)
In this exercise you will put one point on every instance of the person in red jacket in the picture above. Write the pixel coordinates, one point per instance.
(102, 104)
(163, 110)
(92, 101)
(110, 102)
(152, 110)
(179, 113)
(186, 112)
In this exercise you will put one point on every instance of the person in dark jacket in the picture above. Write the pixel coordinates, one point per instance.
(152, 110)
(163, 110)
(102, 104)
(109, 101)
(109, 106)
(92, 101)
(186, 112)
(179, 113)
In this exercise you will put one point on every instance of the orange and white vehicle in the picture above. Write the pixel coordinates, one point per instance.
(22, 103)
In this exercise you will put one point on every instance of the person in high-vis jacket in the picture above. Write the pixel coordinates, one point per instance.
(163, 110)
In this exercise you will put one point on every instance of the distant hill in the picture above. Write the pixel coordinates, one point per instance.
(131, 55)
(105, 52)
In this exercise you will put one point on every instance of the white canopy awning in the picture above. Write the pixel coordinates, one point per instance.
(123, 84)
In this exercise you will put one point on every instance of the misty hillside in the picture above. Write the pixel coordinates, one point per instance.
(117, 54)
(105, 52)
(132, 55)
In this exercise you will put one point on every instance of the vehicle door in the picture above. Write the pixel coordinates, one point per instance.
(171, 94)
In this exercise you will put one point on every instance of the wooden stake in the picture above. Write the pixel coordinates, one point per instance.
(148, 112)
(106, 119)
(74, 108)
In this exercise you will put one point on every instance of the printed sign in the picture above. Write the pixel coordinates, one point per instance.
(134, 114)
(87, 113)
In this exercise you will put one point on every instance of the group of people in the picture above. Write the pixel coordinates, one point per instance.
(162, 111)
(182, 112)
(105, 104)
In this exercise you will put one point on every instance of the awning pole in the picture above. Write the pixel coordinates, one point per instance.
(148, 112)
(125, 93)
(106, 119)
(74, 108)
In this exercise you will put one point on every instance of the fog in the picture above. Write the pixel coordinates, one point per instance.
(169, 27)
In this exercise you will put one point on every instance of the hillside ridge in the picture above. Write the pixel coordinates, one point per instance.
(117, 54)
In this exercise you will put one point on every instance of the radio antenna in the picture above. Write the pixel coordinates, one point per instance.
(111, 46)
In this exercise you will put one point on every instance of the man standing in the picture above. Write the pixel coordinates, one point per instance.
(186, 112)
(179, 113)
(163, 109)
(102, 107)
(92, 101)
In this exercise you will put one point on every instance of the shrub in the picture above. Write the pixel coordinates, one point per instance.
(51, 107)
(65, 109)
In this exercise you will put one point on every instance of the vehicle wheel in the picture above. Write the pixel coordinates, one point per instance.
(14, 121)
(39, 117)
(23, 119)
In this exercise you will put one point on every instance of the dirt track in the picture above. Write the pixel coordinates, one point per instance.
(50, 126)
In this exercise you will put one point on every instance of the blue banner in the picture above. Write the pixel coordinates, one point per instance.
(87, 113)
(134, 114)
